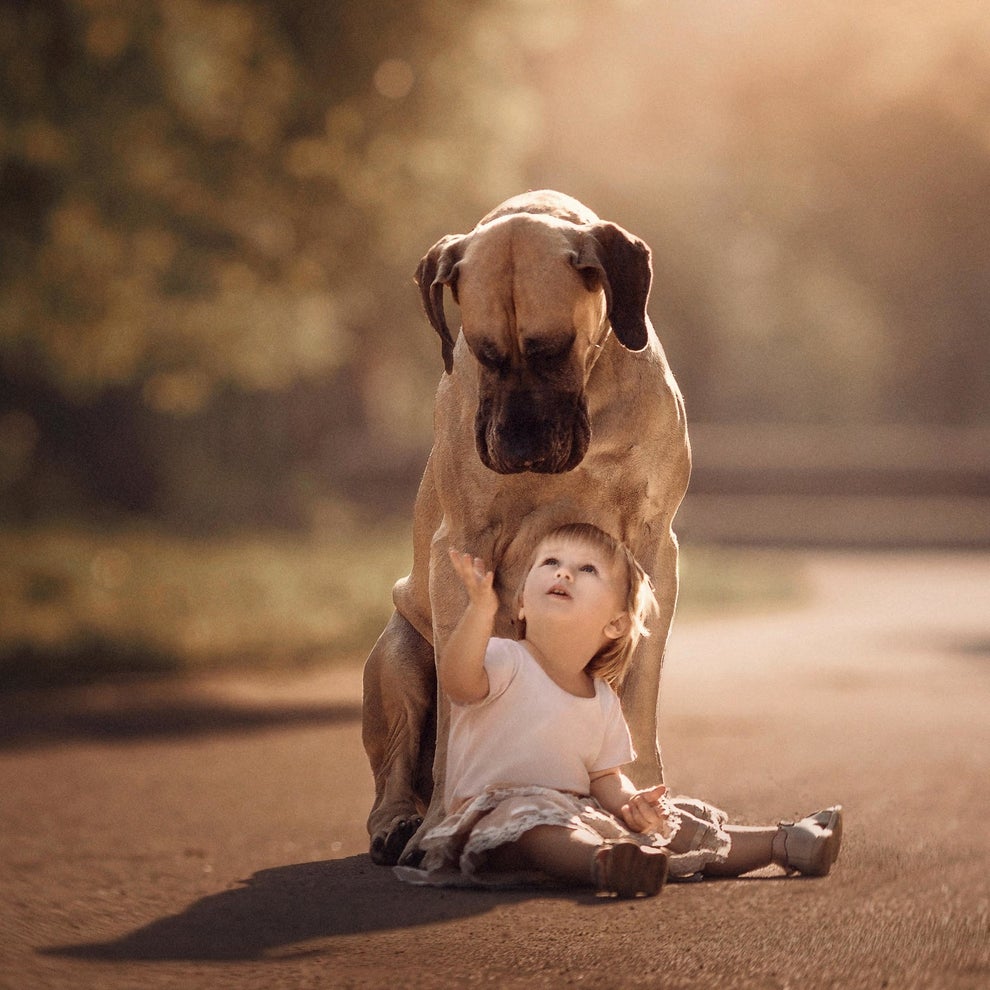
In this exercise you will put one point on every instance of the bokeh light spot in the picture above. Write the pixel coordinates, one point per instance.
(394, 78)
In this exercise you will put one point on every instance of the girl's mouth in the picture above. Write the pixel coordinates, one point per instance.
(559, 591)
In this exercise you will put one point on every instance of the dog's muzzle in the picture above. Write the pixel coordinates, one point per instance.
(548, 433)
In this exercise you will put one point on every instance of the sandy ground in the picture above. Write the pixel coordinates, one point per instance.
(213, 835)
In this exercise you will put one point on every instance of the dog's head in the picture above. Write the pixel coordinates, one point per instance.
(537, 296)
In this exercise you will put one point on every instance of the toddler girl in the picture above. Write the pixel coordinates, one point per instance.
(535, 788)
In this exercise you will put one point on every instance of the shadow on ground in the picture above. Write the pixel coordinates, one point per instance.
(282, 907)
(277, 911)
(44, 719)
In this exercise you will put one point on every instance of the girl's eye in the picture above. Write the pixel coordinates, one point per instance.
(550, 562)
(589, 568)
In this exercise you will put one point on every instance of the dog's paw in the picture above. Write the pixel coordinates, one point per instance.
(387, 847)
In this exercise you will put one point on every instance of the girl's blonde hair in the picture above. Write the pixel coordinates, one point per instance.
(611, 662)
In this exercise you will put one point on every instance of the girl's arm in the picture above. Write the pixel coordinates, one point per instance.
(640, 810)
(461, 665)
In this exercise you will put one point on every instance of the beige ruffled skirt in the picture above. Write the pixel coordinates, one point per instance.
(456, 852)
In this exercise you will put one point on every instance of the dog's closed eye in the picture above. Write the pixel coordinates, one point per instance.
(490, 357)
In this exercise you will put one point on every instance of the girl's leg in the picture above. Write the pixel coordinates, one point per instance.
(568, 854)
(564, 853)
(809, 846)
(753, 847)
(582, 857)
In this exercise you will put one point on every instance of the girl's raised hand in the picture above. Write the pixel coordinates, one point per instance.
(475, 577)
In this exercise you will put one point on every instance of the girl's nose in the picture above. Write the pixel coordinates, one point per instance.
(563, 572)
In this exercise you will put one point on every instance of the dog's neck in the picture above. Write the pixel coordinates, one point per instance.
(596, 350)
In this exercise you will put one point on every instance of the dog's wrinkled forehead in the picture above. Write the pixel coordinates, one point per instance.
(517, 280)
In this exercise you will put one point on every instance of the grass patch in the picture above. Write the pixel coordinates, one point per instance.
(716, 580)
(80, 604)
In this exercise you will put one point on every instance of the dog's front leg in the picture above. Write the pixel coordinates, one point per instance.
(639, 705)
(398, 733)
(412, 854)
(641, 690)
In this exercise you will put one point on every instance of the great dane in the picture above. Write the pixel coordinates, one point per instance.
(557, 405)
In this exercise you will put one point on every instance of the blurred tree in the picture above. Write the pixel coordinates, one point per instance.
(210, 211)
(204, 199)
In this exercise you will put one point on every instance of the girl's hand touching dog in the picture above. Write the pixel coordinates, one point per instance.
(477, 580)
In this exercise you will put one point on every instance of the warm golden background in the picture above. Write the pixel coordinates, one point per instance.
(215, 380)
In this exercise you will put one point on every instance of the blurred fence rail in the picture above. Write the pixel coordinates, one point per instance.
(865, 486)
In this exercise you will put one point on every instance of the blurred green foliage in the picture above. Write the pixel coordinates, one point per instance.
(79, 605)
(207, 193)
(210, 213)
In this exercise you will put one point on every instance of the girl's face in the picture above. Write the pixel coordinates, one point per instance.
(574, 583)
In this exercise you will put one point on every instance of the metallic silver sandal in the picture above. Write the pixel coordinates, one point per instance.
(811, 845)
(627, 869)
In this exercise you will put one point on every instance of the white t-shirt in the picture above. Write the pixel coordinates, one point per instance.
(529, 730)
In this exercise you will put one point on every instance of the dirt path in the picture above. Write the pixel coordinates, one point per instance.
(214, 837)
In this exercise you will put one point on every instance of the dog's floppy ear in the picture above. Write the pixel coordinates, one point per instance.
(614, 260)
(437, 269)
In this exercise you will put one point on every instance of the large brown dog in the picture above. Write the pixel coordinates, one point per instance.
(557, 406)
